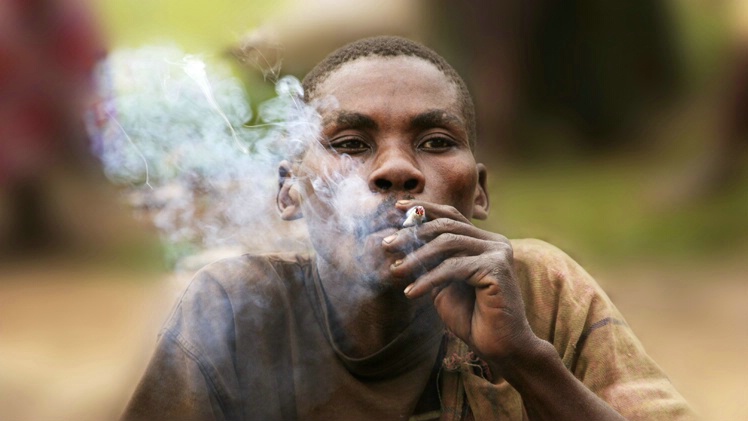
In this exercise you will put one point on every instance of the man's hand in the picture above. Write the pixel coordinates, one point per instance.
(468, 272)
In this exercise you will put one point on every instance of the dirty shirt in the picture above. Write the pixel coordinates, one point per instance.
(252, 339)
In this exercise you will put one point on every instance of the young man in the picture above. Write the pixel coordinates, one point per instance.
(439, 320)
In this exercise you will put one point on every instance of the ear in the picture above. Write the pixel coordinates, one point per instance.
(481, 203)
(287, 200)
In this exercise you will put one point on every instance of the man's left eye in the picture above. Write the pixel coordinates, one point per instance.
(437, 143)
(349, 146)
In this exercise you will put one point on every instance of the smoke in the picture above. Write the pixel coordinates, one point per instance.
(171, 130)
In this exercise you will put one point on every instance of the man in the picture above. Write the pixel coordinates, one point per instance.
(440, 320)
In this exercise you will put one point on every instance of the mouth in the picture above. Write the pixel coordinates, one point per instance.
(380, 223)
(384, 218)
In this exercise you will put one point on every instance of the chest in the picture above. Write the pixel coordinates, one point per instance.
(295, 374)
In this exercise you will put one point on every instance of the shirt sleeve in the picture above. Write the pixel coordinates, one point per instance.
(191, 375)
(173, 388)
(611, 361)
(566, 307)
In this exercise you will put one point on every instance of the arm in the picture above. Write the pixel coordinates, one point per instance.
(469, 274)
(549, 391)
(190, 373)
(172, 388)
(221, 356)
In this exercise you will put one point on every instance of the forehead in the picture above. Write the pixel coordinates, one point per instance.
(402, 83)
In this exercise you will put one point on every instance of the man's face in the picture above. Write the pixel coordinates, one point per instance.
(392, 129)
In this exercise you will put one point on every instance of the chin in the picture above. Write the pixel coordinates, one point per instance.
(367, 273)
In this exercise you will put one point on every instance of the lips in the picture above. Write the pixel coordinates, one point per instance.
(377, 222)
(384, 217)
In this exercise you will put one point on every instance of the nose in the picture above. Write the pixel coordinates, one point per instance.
(396, 170)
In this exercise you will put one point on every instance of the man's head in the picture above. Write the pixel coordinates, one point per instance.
(390, 46)
(394, 127)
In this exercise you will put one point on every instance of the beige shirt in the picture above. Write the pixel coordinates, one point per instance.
(251, 339)
(566, 307)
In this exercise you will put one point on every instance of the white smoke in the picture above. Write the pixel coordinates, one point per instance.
(170, 128)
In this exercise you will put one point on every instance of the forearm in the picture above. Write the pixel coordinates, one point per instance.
(549, 391)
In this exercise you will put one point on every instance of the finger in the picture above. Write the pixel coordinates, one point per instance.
(436, 227)
(455, 269)
(455, 303)
(411, 238)
(435, 252)
(433, 210)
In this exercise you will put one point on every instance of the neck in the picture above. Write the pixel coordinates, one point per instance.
(366, 314)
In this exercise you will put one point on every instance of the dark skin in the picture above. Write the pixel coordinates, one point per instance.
(398, 129)
(468, 274)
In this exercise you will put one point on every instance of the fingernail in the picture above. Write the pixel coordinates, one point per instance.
(397, 263)
(403, 202)
(390, 239)
(407, 289)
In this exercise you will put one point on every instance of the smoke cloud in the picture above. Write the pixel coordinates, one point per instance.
(171, 130)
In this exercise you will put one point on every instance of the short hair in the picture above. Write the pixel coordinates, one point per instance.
(391, 46)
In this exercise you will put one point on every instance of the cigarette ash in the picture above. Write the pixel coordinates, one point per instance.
(415, 216)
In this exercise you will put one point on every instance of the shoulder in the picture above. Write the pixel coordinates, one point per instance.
(249, 274)
(228, 289)
(544, 267)
(567, 307)
(562, 300)
(246, 266)
(537, 255)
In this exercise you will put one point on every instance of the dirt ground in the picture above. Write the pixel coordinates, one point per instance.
(74, 339)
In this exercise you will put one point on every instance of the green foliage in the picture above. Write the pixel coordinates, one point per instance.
(609, 213)
(194, 25)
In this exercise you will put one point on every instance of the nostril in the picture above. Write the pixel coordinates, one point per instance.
(383, 184)
(410, 184)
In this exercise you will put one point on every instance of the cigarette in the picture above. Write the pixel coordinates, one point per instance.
(415, 216)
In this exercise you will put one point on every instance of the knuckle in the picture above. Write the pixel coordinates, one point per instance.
(499, 272)
(449, 263)
(447, 238)
(454, 213)
(445, 224)
(506, 250)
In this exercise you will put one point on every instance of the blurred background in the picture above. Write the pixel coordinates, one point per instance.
(615, 130)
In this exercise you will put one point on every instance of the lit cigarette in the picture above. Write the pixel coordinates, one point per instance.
(415, 216)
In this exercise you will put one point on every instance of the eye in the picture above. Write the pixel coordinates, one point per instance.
(349, 145)
(437, 144)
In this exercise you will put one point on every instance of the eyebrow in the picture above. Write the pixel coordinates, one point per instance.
(435, 118)
(352, 120)
(425, 120)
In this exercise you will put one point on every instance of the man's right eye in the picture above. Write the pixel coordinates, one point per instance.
(350, 146)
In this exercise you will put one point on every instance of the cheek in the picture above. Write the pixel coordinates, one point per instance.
(455, 184)
(321, 173)
(335, 192)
